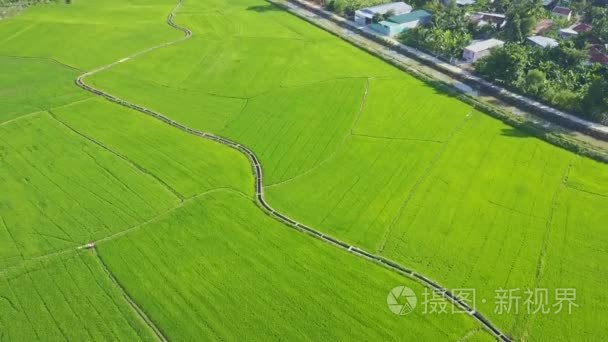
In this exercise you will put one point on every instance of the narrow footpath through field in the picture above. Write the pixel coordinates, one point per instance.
(259, 193)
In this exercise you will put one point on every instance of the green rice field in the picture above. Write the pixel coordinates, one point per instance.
(349, 145)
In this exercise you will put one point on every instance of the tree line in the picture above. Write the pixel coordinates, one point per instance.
(561, 76)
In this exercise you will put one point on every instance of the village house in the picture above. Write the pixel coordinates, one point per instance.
(599, 54)
(364, 16)
(483, 18)
(563, 12)
(399, 23)
(543, 26)
(566, 33)
(581, 27)
(480, 49)
(544, 42)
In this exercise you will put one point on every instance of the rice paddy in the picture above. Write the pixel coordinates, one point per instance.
(218, 267)
(57, 299)
(349, 145)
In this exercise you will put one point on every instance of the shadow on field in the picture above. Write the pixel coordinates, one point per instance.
(514, 132)
(263, 8)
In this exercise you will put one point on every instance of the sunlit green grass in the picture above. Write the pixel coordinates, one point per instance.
(29, 85)
(87, 170)
(87, 34)
(185, 163)
(407, 171)
(219, 268)
(59, 190)
(349, 145)
(69, 297)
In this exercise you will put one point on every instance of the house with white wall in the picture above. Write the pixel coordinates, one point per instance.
(480, 49)
(364, 16)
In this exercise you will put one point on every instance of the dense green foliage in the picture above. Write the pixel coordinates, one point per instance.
(598, 17)
(522, 17)
(348, 7)
(558, 76)
(10, 8)
(446, 36)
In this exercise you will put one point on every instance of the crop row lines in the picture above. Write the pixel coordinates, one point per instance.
(257, 171)
(129, 300)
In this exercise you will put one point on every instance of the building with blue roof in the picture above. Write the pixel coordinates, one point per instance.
(399, 23)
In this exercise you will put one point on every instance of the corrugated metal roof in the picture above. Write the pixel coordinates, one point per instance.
(562, 10)
(581, 27)
(388, 23)
(543, 41)
(484, 45)
(568, 31)
(495, 15)
(397, 7)
(409, 17)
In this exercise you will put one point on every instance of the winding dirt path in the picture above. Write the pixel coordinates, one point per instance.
(257, 171)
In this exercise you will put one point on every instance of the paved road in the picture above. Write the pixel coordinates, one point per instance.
(441, 70)
(259, 188)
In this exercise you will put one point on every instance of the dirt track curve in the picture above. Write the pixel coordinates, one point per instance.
(257, 171)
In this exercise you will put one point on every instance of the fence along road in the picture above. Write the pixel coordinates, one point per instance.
(259, 189)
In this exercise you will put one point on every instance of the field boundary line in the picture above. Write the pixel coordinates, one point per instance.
(45, 59)
(158, 217)
(394, 50)
(259, 192)
(342, 142)
(425, 173)
(142, 315)
(379, 137)
(142, 169)
(23, 116)
(24, 262)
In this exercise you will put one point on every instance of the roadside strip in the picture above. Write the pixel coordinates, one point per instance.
(259, 188)
(361, 37)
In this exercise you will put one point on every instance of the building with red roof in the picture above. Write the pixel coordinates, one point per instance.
(598, 55)
(581, 27)
(563, 12)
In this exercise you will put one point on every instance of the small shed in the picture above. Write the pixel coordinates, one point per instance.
(480, 49)
(544, 42)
